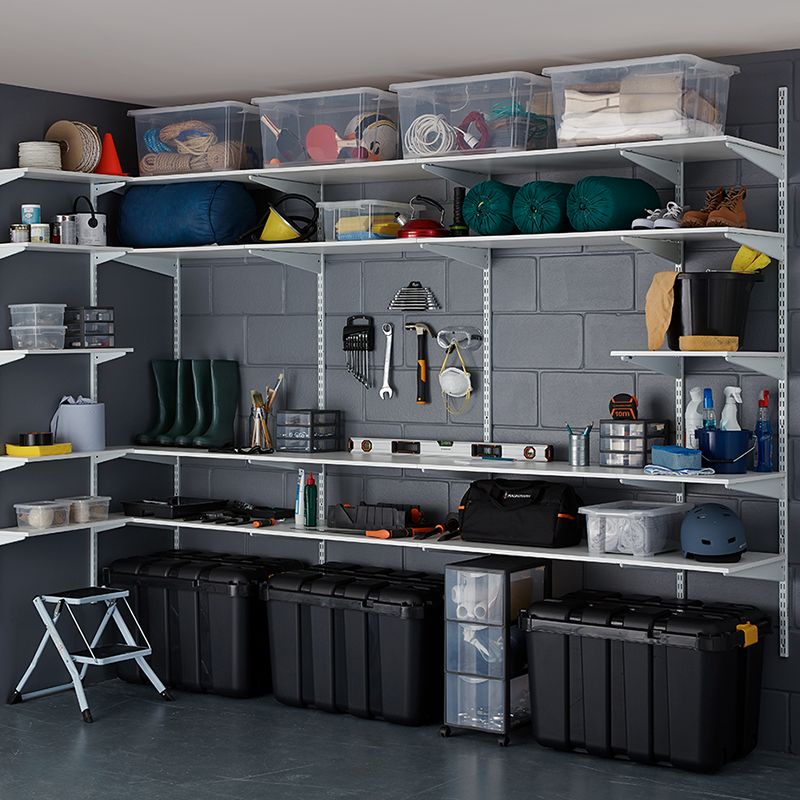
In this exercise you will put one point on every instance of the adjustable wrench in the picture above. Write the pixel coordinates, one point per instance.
(386, 390)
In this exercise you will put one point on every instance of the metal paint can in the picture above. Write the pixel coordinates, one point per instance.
(65, 225)
(31, 213)
(20, 233)
(40, 233)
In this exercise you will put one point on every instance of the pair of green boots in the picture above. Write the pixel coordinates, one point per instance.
(197, 403)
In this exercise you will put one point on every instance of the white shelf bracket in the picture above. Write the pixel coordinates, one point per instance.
(465, 254)
(311, 190)
(773, 246)
(8, 250)
(661, 364)
(663, 248)
(773, 163)
(103, 257)
(9, 357)
(109, 455)
(670, 170)
(11, 175)
(305, 261)
(460, 177)
(763, 572)
(100, 188)
(771, 487)
(773, 367)
(161, 266)
(102, 357)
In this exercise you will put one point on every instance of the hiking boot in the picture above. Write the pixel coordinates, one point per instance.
(699, 219)
(731, 213)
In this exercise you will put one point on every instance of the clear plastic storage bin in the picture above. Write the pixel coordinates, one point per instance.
(41, 337)
(41, 514)
(624, 460)
(476, 114)
(634, 527)
(208, 137)
(474, 596)
(665, 97)
(475, 649)
(307, 416)
(307, 445)
(307, 432)
(86, 509)
(360, 124)
(352, 220)
(31, 314)
(83, 314)
(480, 702)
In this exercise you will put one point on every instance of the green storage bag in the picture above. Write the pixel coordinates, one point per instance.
(488, 208)
(541, 207)
(600, 203)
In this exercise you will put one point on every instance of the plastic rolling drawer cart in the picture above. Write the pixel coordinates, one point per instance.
(95, 654)
(675, 682)
(364, 642)
(487, 667)
(205, 617)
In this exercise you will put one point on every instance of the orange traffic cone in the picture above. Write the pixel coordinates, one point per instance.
(109, 160)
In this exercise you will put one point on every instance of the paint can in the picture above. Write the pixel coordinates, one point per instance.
(64, 228)
(31, 213)
(40, 233)
(90, 229)
(19, 233)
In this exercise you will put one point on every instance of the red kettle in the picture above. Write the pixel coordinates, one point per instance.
(421, 228)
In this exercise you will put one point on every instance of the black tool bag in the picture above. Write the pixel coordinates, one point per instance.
(532, 513)
(365, 517)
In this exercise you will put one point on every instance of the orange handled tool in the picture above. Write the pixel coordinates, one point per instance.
(398, 533)
(422, 360)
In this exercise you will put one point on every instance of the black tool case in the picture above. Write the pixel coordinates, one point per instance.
(656, 681)
(205, 617)
(344, 640)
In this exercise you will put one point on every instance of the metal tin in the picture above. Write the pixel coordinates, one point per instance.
(67, 228)
(20, 233)
(579, 450)
(31, 213)
(40, 233)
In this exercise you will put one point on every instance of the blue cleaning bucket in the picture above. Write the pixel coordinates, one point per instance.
(726, 451)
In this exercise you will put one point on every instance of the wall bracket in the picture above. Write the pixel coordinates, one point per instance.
(101, 257)
(461, 177)
(305, 261)
(773, 163)
(663, 248)
(771, 245)
(670, 170)
(465, 254)
(311, 190)
(161, 266)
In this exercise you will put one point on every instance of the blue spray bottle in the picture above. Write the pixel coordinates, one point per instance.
(709, 415)
(763, 434)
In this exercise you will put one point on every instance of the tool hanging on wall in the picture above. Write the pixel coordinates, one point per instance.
(414, 297)
(484, 451)
(388, 332)
(358, 342)
(420, 328)
(465, 338)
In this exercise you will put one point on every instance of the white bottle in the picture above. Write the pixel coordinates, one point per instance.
(729, 420)
(693, 419)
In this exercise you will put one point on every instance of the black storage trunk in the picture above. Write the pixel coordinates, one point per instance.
(656, 681)
(205, 617)
(357, 640)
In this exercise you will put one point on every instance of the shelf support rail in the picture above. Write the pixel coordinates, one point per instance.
(176, 354)
(94, 488)
(487, 349)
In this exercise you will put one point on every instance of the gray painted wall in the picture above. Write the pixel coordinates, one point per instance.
(556, 317)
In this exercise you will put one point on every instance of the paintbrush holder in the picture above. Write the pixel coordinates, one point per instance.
(259, 434)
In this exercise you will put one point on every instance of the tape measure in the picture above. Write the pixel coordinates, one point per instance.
(623, 406)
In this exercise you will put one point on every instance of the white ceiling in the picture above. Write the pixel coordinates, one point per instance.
(157, 52)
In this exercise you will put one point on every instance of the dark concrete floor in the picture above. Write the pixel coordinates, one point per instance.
(204, 747)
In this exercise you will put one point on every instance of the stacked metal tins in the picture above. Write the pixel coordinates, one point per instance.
(627, 443)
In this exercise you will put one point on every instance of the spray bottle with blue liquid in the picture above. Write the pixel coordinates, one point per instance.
(764, 439)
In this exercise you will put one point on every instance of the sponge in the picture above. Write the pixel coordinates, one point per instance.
(674, 457)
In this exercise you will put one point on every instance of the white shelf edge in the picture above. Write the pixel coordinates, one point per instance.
(668, 362)
(113, 521)
(14, 462)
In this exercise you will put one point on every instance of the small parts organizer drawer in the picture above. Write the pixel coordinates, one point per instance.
(89, 326)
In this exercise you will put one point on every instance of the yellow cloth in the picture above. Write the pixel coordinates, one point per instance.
(658, 308)
(748, 260)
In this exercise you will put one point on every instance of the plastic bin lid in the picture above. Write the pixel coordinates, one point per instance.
(336, 204)
(380, 93)
(15, 306)
(83, 498)
(41, 503)
(233, 104)
(636, 508)
(41, 328)
(490, 76)
(687, 59)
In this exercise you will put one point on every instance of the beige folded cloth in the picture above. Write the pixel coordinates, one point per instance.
(658, 308)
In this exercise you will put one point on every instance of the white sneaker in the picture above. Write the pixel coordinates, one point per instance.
(672, 217)
(650, 220)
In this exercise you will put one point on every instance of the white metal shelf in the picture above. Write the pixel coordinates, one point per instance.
(59, 176)
(99, 254)
(99, 355)
(762, 566)
(96, 456)
(670, 362)
(19, 534)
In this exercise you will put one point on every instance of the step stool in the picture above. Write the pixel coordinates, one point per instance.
(94, 654)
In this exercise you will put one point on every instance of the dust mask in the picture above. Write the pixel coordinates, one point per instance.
(455, 381)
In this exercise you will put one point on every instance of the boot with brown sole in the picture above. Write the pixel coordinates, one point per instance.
(731, 213)
(699, 219)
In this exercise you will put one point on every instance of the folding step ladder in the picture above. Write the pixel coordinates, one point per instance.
(94, 654)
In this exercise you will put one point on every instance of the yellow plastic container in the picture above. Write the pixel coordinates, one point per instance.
(36, 451)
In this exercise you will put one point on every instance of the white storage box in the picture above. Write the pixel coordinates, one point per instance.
(634, 527)
(476, 114)
(41, 514)
(23, 314)
(360, 124)
(38, 337)
(199, 138)
(352, 220)
(86, 509)
(665, 97)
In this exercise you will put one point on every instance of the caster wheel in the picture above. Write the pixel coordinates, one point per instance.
(445, 731)
(165, 695)
(504, 741)
(87, 716)
(14, 698)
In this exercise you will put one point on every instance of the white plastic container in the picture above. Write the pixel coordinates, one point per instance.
(665, 97)
(354, 220)
(41, 337)
(41, 514)
(360, 124)
(37, 313)
(88, 508)
(634, 527)
(208, 137)
(476, 114)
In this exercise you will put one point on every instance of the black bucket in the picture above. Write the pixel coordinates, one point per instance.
(711, 303)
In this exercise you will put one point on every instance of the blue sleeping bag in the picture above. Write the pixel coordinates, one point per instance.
(186, 214)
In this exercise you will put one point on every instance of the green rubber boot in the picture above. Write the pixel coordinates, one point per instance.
(225, 404)
(184, 406)
(165, 372)
(201, 380)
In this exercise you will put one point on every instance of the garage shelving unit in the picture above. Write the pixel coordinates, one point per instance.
(664, 158)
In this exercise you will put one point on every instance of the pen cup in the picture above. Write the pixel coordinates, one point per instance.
(579, 449)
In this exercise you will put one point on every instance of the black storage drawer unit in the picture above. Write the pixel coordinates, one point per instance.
(205, 617)
(657, 681)
(365, 642)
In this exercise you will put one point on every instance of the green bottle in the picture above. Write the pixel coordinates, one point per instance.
(311, 502)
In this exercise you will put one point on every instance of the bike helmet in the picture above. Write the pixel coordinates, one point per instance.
(712, 532)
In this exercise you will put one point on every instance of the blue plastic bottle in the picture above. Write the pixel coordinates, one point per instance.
(763, 433)
(709, 415)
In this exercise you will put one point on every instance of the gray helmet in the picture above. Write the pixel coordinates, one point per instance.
(712, 532)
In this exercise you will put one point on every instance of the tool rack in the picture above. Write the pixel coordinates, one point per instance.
(664, 158)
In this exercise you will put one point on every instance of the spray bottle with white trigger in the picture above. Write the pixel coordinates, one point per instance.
(693, 418)
(729, 420)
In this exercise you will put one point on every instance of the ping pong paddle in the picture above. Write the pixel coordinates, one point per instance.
(289, 146)
(324, 144)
